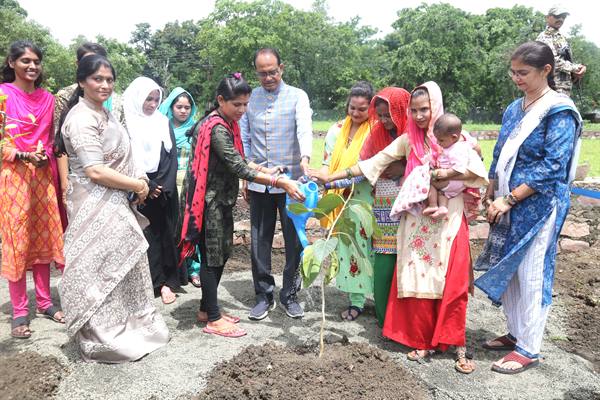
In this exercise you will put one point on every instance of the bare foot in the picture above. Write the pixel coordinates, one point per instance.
(167, 295)
(429, 210)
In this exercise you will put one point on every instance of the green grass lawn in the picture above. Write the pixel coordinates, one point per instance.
(590, 153)
(323, 126)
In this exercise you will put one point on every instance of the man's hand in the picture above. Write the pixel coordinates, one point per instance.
(304, 163)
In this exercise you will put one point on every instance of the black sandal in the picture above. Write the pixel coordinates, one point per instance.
(349, 316)
(15, 324)
(50, 313)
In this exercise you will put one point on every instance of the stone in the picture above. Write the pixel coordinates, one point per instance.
(243, 225)
(588, 201)
(575, 229)
(479, 231)
(569, 245)
(278, 242)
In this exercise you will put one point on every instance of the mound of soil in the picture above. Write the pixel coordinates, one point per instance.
(346, 371)
(578, 285)
(29, 376)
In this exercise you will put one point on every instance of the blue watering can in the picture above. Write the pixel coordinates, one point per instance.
(311, 194)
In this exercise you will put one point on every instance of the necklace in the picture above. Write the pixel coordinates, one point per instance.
(525, 107)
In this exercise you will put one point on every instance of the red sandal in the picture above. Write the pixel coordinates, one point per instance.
(520, 359)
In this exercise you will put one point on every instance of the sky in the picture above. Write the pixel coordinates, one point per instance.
(67, 19)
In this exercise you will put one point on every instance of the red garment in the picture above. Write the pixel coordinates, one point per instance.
(426, 324)
(379, 138)
(194, 207)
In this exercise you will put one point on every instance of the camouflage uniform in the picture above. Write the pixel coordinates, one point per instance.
(62, 99)
(563, 60)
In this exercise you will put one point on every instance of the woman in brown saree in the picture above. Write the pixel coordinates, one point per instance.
(106, 291)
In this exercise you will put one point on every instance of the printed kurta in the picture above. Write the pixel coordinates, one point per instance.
(30, 222)
(351, 278)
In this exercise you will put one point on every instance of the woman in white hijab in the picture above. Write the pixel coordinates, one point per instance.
(152, 141)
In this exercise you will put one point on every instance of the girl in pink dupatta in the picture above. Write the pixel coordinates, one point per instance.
(30, 219)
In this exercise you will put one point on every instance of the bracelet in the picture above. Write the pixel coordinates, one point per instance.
(488, 201)
(434, 175)
(272, 180)
(514, 196)
(143, 189)
(509, 200)
(276, 180)
(349, 173)
(23, 156)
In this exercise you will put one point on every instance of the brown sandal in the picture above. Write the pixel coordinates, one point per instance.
(462, 361)
(420, 356)
(507, 343)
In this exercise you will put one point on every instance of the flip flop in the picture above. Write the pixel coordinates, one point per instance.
(195, 280)
(229, 318)
(50, 313)
(513, 356)
(232, 331)
(508, 344)
(349, 316)
(17, 333)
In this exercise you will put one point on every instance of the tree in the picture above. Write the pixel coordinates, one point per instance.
(437, 42)
(58, 66)
(587, 92)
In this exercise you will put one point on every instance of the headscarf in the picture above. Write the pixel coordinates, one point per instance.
(416, 135)
(196, 186)
(147, 132)
(166, 109)
(379, 138)
(344, 157)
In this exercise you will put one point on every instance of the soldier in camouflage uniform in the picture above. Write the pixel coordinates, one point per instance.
(566, 72)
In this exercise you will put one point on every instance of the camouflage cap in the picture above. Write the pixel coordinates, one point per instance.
(558, 10)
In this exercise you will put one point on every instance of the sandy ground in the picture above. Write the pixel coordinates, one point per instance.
(179, 370)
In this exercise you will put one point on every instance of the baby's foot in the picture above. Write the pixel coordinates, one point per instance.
(430, 210)
(440, 212)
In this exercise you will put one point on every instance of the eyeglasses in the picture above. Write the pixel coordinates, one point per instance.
(517, 74)
(272, 74)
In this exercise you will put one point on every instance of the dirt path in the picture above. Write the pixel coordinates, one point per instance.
(180, 369)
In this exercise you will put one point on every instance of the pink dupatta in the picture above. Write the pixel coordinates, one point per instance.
(416, 135)
(25, 134)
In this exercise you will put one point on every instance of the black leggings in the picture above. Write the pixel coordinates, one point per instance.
(210, 278)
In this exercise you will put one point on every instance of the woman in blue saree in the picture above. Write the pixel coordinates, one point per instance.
(527, 202)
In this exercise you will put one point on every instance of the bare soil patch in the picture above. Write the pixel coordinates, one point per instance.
(346, 371)
(29, 376)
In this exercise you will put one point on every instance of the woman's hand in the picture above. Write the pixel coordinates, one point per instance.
(439, 184)
(497, 209)
(321, 176)
(142, 191)
(156, 192)
(291, 188)
(38, 158)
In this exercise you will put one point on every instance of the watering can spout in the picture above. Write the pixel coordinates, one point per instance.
(311, 194)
